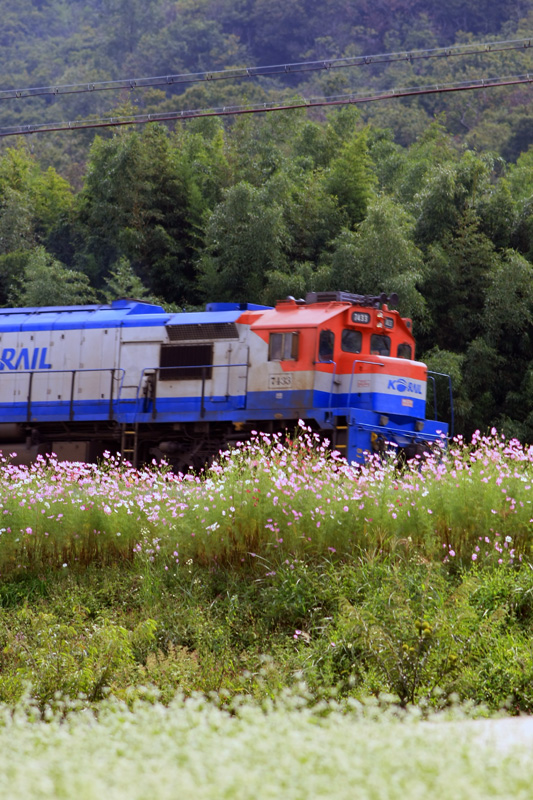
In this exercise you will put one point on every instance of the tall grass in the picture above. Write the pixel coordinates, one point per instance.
(270, 502)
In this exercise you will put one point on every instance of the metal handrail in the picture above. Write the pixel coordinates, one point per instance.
(359, 361)
(330, 401)
(204, 367)
(73, 373)
(432, 379)
(449, 377)
(333, 374)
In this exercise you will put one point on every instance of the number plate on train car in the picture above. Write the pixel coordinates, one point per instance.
(279, 381)
(361, 317)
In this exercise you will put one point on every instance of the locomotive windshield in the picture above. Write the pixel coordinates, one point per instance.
(351, 341)
(379, 345)
(326, 345)
(404, 351)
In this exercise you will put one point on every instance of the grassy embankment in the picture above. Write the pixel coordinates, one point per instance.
(279, 565)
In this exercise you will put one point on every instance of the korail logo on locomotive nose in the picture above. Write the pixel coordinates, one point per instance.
(401, 385)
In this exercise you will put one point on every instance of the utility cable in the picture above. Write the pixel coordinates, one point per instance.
(226, 111)
(267, 71)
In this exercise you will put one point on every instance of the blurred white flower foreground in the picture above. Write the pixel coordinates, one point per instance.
(193, 749)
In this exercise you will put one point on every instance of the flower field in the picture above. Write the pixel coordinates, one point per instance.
(279, 562)
(192, 748)
(281, 624)
(271, 502)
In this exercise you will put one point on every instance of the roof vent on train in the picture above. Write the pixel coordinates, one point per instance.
(136, 306)
(236, 307)
(355, 299)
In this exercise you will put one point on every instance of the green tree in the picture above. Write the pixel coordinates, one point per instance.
(520, 177)
(52, 202)
(498, 365)
(459, 270)
(508, 305)
(123, 282)
(351, 179)
(201, 148)
(245, 239)
(16, 212)
(34, 204)
(259, 147)
(448, 192)
(408, 170)
(313, 145)
(381, 256)
(125, 23)
(33, 207)
(445, 362)
(311, 215)
(47, 282)
(303, 277)
(521, 137)
(16, 221)
(140, 201)
(498, 213)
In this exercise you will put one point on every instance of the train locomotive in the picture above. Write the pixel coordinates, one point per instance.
(129, 377)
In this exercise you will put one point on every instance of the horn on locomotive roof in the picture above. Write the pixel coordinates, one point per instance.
(372, 301)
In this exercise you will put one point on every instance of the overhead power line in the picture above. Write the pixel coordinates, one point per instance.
(267, 71)
(226, 111)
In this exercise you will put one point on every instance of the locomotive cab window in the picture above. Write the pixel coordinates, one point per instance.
(404, 351)
(190, 362)
(379, 345)
(283, 346)
(326, 345)
(351, 341)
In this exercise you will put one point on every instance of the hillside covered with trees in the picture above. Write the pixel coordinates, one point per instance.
(430, 197)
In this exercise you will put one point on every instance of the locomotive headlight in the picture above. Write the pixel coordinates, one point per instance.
(383, 420)
(419, 425)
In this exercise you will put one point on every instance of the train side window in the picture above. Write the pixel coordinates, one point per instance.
(351, 341)
(379, 345)
(326, 345)
(405, 351)
(283, 346)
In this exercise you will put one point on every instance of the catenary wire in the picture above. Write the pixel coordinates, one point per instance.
(226, 111)
(266, 71)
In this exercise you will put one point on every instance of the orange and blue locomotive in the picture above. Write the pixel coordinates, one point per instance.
(130, 376)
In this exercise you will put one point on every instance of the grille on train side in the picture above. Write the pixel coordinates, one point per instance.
(208, 331)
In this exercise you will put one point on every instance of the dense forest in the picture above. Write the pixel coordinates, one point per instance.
(430, 197)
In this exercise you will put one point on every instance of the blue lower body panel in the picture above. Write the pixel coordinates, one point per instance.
(362, 427)
(367, 433)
